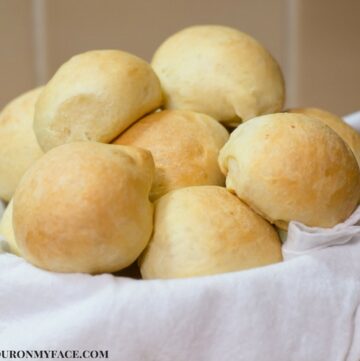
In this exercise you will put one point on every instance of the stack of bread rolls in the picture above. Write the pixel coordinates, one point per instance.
(115, 161)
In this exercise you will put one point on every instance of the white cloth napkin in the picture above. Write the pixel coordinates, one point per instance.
(303, 240)
(304, 309)
(353, 119)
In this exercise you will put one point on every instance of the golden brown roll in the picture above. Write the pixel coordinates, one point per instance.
(292, 167)
(185, 146)
(84, 207)
(347, 133)
(19, 148)
(94, 97)
(206, 230)
(7, 231)
(219, 71)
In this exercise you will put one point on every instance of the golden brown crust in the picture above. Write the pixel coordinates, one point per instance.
(347, 133)
(94, 97)
(292, 167)
(219, 71)
(206, 230)
(19, 148)
(185, 146)
(84, 207)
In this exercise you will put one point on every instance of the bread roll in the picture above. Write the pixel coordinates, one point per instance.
(347, 133)
(94, 97)
(185, 146)
(7, 231)
(219, 71)
(84, 207)
(19, 148)
(206, 230)
(292, 167)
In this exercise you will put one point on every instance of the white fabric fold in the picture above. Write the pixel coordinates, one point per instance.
(303, 240)
(353, 119)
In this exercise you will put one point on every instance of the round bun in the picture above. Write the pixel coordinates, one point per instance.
(84, 207)
(347, 133)
(219, 71)
(185, 146)
(206, 230)
(7, 231)
(95, 96)
(19, 148)
(292, 167)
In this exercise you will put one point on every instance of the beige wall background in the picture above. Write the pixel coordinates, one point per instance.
(317, 42)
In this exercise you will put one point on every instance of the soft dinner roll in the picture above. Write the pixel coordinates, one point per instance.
(95, 96)
(292, 167)
(84, 207)
(206, 230)
(19, 148)
(219, 71)
(347, 133)
(6, 229)
(185, 146)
